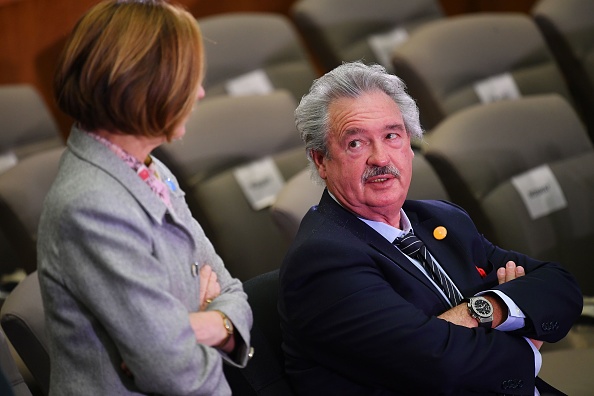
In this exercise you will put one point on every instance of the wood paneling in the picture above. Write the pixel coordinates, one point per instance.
(32, 32)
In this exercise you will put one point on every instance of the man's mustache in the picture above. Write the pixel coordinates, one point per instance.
(379, 171)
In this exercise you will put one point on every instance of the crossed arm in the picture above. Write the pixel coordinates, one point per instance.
(208, 325)
(459, 314)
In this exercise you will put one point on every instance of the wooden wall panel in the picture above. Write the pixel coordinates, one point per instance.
(32, 32)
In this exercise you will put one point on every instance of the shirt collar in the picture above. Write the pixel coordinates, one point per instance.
(387, 231)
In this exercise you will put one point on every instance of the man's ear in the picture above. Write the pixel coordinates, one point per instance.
(319, 158)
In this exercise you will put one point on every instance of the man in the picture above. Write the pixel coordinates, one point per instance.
(359, 317)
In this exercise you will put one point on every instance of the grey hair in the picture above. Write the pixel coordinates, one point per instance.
(349, 80)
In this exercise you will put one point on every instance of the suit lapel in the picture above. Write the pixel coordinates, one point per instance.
(450, 252)
(346, 219)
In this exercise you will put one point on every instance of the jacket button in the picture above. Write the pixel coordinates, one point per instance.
(512, 384)
(550, 326)
(195, 269)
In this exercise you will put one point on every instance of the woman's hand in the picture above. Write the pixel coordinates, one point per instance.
(209, 329)
(209, 286)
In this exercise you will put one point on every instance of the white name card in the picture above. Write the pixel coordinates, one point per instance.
(260, 182)
(253, 83)
(7, 160)
(540, 191)
(496, 88)
(383, 45)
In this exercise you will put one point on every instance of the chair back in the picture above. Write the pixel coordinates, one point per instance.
(524, 171)
(11, 381)
(264, 375)
(568, 27)
(348, 30)
(245, 237)
(22, 191)
(23, 320)
(27, 125)
(464, 60)
(226, 131)
(237, 44)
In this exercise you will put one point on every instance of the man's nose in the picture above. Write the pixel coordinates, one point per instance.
(378, 155)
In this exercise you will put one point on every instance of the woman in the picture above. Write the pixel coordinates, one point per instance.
(136, 299)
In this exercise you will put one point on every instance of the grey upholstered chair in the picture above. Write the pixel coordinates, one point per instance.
(26, 127)
(240, 43)
(265, 374)
(226, 131)
(10, 370)
(569, 370)
(22, 190)
(23, 321)
(463, 60)
(246, 238)
(342, 30)
(524, 170)
(568, 27)
(301, 193)
(26, 124)
(223, 133)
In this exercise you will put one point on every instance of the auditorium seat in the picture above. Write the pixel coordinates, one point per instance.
(568, 27)
(23, 188)
(26, 127)
(254, 52)
(350, 30)
(463, 60)
(524, 170)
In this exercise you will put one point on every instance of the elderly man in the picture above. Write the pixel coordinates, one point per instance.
(384, 296)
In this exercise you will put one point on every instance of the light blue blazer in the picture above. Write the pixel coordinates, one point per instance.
(115, 268)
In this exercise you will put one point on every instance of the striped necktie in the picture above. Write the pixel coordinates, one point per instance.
(412, 246)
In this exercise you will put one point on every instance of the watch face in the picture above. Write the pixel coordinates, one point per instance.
(482, 307)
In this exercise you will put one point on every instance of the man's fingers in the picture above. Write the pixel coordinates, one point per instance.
(501, 275)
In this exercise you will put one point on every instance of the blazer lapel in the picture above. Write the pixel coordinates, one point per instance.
(449, 252)
(343, 217)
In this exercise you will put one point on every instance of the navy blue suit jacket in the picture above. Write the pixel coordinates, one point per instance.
(358, 318)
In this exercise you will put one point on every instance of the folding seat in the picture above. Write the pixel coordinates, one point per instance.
(463, 60)
(23, 321)
(301, 193)
(23, 188)
(367, 30)
(243, 234)
(226, 137)
(265, 374)
(26, 124)
(227, 131)
(524, 170)
(11, 380)
(569, 370)
(254, 53)
(568, 27)
(26, 127)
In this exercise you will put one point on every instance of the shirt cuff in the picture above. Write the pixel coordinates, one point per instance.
(515, 317)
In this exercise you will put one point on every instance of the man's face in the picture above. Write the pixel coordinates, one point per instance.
(367, 137)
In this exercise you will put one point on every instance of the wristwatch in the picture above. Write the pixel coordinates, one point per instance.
(228, 327)
(481, 309)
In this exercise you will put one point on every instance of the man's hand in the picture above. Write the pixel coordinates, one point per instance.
(460, 316)
(209, 286)
(510, 272)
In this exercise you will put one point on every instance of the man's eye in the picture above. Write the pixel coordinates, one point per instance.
(354, 143)
(391, 136)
